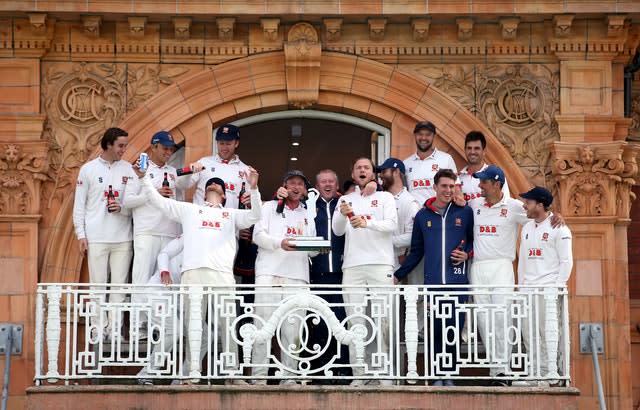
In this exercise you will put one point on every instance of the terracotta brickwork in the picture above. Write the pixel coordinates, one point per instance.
(544, 80)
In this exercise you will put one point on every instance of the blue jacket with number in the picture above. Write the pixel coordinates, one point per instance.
(434, 237)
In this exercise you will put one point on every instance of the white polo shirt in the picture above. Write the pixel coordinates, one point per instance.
(470, 185)
(420, 173)
(546, 257)
(495, 228)
(407, 207)
(268, 235)
(231, 172)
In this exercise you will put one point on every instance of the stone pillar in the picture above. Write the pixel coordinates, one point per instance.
(23, 167)
(594, 170)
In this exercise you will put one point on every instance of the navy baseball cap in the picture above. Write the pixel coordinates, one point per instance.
(539, 194)
(296, 173)
(163, 138)
(227, 132)
(492, 173)
(391, 163)
(427, 125)
(217, 181)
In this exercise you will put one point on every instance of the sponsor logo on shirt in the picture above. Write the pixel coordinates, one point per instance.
(210, 224)
(294, 231)
(116, 193)
(230, 187)
(488, 229)
(469, 197)
(421, 183)
(535, 252)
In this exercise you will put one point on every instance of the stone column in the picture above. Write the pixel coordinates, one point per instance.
(594, 170)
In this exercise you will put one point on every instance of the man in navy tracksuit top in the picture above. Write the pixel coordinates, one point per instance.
(443, 235)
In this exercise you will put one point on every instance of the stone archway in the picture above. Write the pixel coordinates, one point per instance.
(258, 84)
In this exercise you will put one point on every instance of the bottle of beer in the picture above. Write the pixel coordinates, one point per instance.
(460, 246)
(280, 206)
(165, 183)
(240, 194)
(111, 198)
(184, 171)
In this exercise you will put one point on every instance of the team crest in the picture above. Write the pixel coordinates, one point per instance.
(125, 179)
(428, 224)
(503, 212)
(305, 221)
(225, 214)
(545, 236)
(410, 169)
(458, 222)
(374, 203)
(434, 167)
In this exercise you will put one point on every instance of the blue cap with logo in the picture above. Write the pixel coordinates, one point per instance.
(427, 125)
(539, 194)
(391, 163)
(163, 138)
(227, 132)
(491, 173)
(217, 181)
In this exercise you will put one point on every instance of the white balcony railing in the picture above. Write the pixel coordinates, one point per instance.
(71, 342)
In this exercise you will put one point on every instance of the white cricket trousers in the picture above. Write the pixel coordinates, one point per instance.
(534, 327)
(103, 258)
(362, 276)
(266, 303)
(497, 301)
(210, 278)
(145, 254)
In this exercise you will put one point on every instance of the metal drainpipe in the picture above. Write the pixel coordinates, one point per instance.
(628, 80)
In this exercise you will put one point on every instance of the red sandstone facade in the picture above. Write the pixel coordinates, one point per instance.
(186, 66)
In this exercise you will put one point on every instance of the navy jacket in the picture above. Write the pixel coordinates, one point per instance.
(434, 237)
(320, 263)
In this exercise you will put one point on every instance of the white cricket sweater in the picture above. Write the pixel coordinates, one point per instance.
(407, 206)
(420, 173)
(90, 216)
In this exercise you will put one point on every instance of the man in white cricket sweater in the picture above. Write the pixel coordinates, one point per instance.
(278, 263)
(150, 233)
(209, 247)
(102, 225)
(368, 252)
(545, 258)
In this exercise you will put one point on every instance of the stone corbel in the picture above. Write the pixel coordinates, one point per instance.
(376, 28)
(23, 168)
(302, 53)
(225, 28)
(615, 25)
(92, 25)
(182, 27)
(38, 23)
(625, 195)
(420, 28)
(270, 28)
(509, 27)
(332, 28)
(562, 24)
(465, 28)
(137, 26)
(590, 176)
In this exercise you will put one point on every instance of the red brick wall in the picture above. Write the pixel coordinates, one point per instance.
(634, 247)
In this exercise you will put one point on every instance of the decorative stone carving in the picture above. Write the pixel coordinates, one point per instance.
(225, 28)
(562, 24)
(92, 25)
(615, 25)
(420, 28)
(302, 65)
(634, 113)
(333, 28)
(594, 179)
(182, 27)
(376, 28)
(137, 26)
(23, 167)
(465, 28)
(270, 28)
(38, 23)
(509, 27)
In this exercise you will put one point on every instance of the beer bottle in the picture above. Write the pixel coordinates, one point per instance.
(184, 171)
(165, 183)
(111, 198)
(240, 194)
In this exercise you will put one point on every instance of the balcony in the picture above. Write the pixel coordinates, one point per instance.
(79, 352)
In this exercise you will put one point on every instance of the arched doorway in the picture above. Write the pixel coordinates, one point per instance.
(242, 88)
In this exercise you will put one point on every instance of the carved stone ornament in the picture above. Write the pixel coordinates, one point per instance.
(302, 65)
(376, 28)
(615, 25)
(509, 27)
(23, 167)
(465, 28)
(420, 28)
(137, 26)
(38, 23)
(225, 28)
(182, 27)
(333, 28)
(595, 179)
(92, 26)
(634, 113)
(562, 24)
(270, 28)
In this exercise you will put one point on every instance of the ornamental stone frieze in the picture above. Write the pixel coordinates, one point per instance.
(23, 168)
(517, 102)
(302, 65)
(595, 179)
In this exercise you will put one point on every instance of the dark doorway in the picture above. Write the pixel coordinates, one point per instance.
(316, 144)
